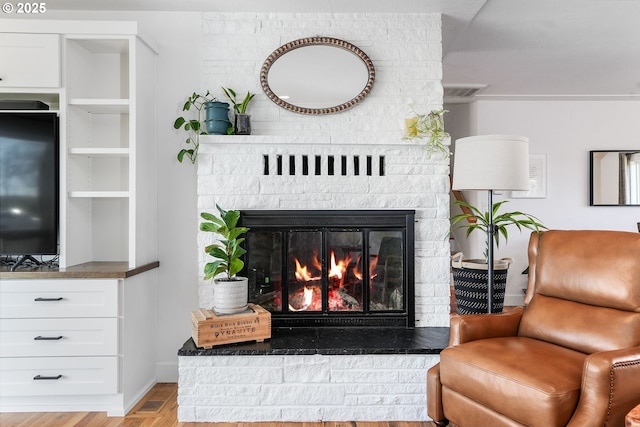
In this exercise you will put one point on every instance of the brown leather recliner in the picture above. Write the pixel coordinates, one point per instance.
(570, 357)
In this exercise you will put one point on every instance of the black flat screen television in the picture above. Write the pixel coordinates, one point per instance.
(29, 184)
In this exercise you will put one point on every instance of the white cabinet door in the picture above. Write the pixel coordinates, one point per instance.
(29, 60)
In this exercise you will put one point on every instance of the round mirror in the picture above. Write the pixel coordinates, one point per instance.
(317, 75)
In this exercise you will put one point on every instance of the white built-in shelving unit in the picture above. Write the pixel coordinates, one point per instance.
(100, 78)
(103, 136)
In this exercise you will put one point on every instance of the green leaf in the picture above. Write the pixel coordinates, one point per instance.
(230, 93)
(179, 122)
(235, 267)
(239, 251)
(237, 231)
(212, 218)
(195, 125)
(245, 103)
(230, 218)
(181, 155)
(208, 216)
(211, 269)
(218, 252)
(210, 227)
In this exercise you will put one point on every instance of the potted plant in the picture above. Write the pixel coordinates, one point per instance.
(242, 120)
(470, 277)
(230, 292)
(216, 123)
(430, 126)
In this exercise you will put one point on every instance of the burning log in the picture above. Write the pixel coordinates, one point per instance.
(303, 300)
(347, 299)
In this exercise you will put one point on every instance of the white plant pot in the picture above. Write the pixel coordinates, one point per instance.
(230, 296)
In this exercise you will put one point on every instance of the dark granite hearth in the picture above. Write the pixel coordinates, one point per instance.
(333, 341)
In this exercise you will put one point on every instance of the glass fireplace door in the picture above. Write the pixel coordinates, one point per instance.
(307, 274)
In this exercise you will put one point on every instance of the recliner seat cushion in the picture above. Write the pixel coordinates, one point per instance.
(532, 382)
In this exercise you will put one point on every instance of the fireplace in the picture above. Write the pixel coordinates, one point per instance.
(331, 268)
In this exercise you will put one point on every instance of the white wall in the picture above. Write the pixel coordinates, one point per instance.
(177, 37)
(179, 74)
(565, 131)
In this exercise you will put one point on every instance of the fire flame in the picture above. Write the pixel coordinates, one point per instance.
(310, 300)
(302, 273)
(357, 271)
(338, 269)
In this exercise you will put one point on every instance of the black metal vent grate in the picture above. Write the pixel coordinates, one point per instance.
(328, 165)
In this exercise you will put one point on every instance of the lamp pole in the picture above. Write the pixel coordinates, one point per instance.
(490, 234)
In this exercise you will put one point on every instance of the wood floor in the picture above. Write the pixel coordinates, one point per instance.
(159, 408)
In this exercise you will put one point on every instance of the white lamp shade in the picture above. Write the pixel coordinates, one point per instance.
(491, 162)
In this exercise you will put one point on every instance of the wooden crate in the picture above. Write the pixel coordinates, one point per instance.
(209, 329)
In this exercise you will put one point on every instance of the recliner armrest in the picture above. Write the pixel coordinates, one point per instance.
(471, 327)
(434, 396)
(609, 388)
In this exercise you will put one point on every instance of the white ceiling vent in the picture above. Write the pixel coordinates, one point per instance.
(461, 92)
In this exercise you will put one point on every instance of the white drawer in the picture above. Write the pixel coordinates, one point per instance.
(29, 60)
(23, 299)
(58, 337)
(50, 376)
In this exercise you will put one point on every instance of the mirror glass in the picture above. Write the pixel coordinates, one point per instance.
(317, 75)
(615, 178)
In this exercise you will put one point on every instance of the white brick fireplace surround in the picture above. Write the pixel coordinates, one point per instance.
(233, 172)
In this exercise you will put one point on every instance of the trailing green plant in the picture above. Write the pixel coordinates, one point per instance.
(227, 252)
(431, 126)
(501, 222)
(238, 107)
(193, 126)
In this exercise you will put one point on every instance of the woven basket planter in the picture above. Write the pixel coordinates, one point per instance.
(470, 282)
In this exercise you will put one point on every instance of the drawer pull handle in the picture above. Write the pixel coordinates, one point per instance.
(41, 338)
(43, 377)
(40, 299)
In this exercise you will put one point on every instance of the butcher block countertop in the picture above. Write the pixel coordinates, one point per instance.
(88, 270)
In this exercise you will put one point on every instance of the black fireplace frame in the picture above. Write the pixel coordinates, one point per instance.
(366, 219)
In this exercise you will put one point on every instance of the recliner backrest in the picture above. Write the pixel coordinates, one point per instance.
(584, 289)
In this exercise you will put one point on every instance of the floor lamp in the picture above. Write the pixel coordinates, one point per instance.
(491, 162)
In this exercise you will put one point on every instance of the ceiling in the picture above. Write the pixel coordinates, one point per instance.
(517, 48)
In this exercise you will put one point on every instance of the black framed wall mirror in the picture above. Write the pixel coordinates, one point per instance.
(317, 75)
(614, 177)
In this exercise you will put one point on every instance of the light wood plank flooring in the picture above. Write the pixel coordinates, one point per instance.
(158, 408)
